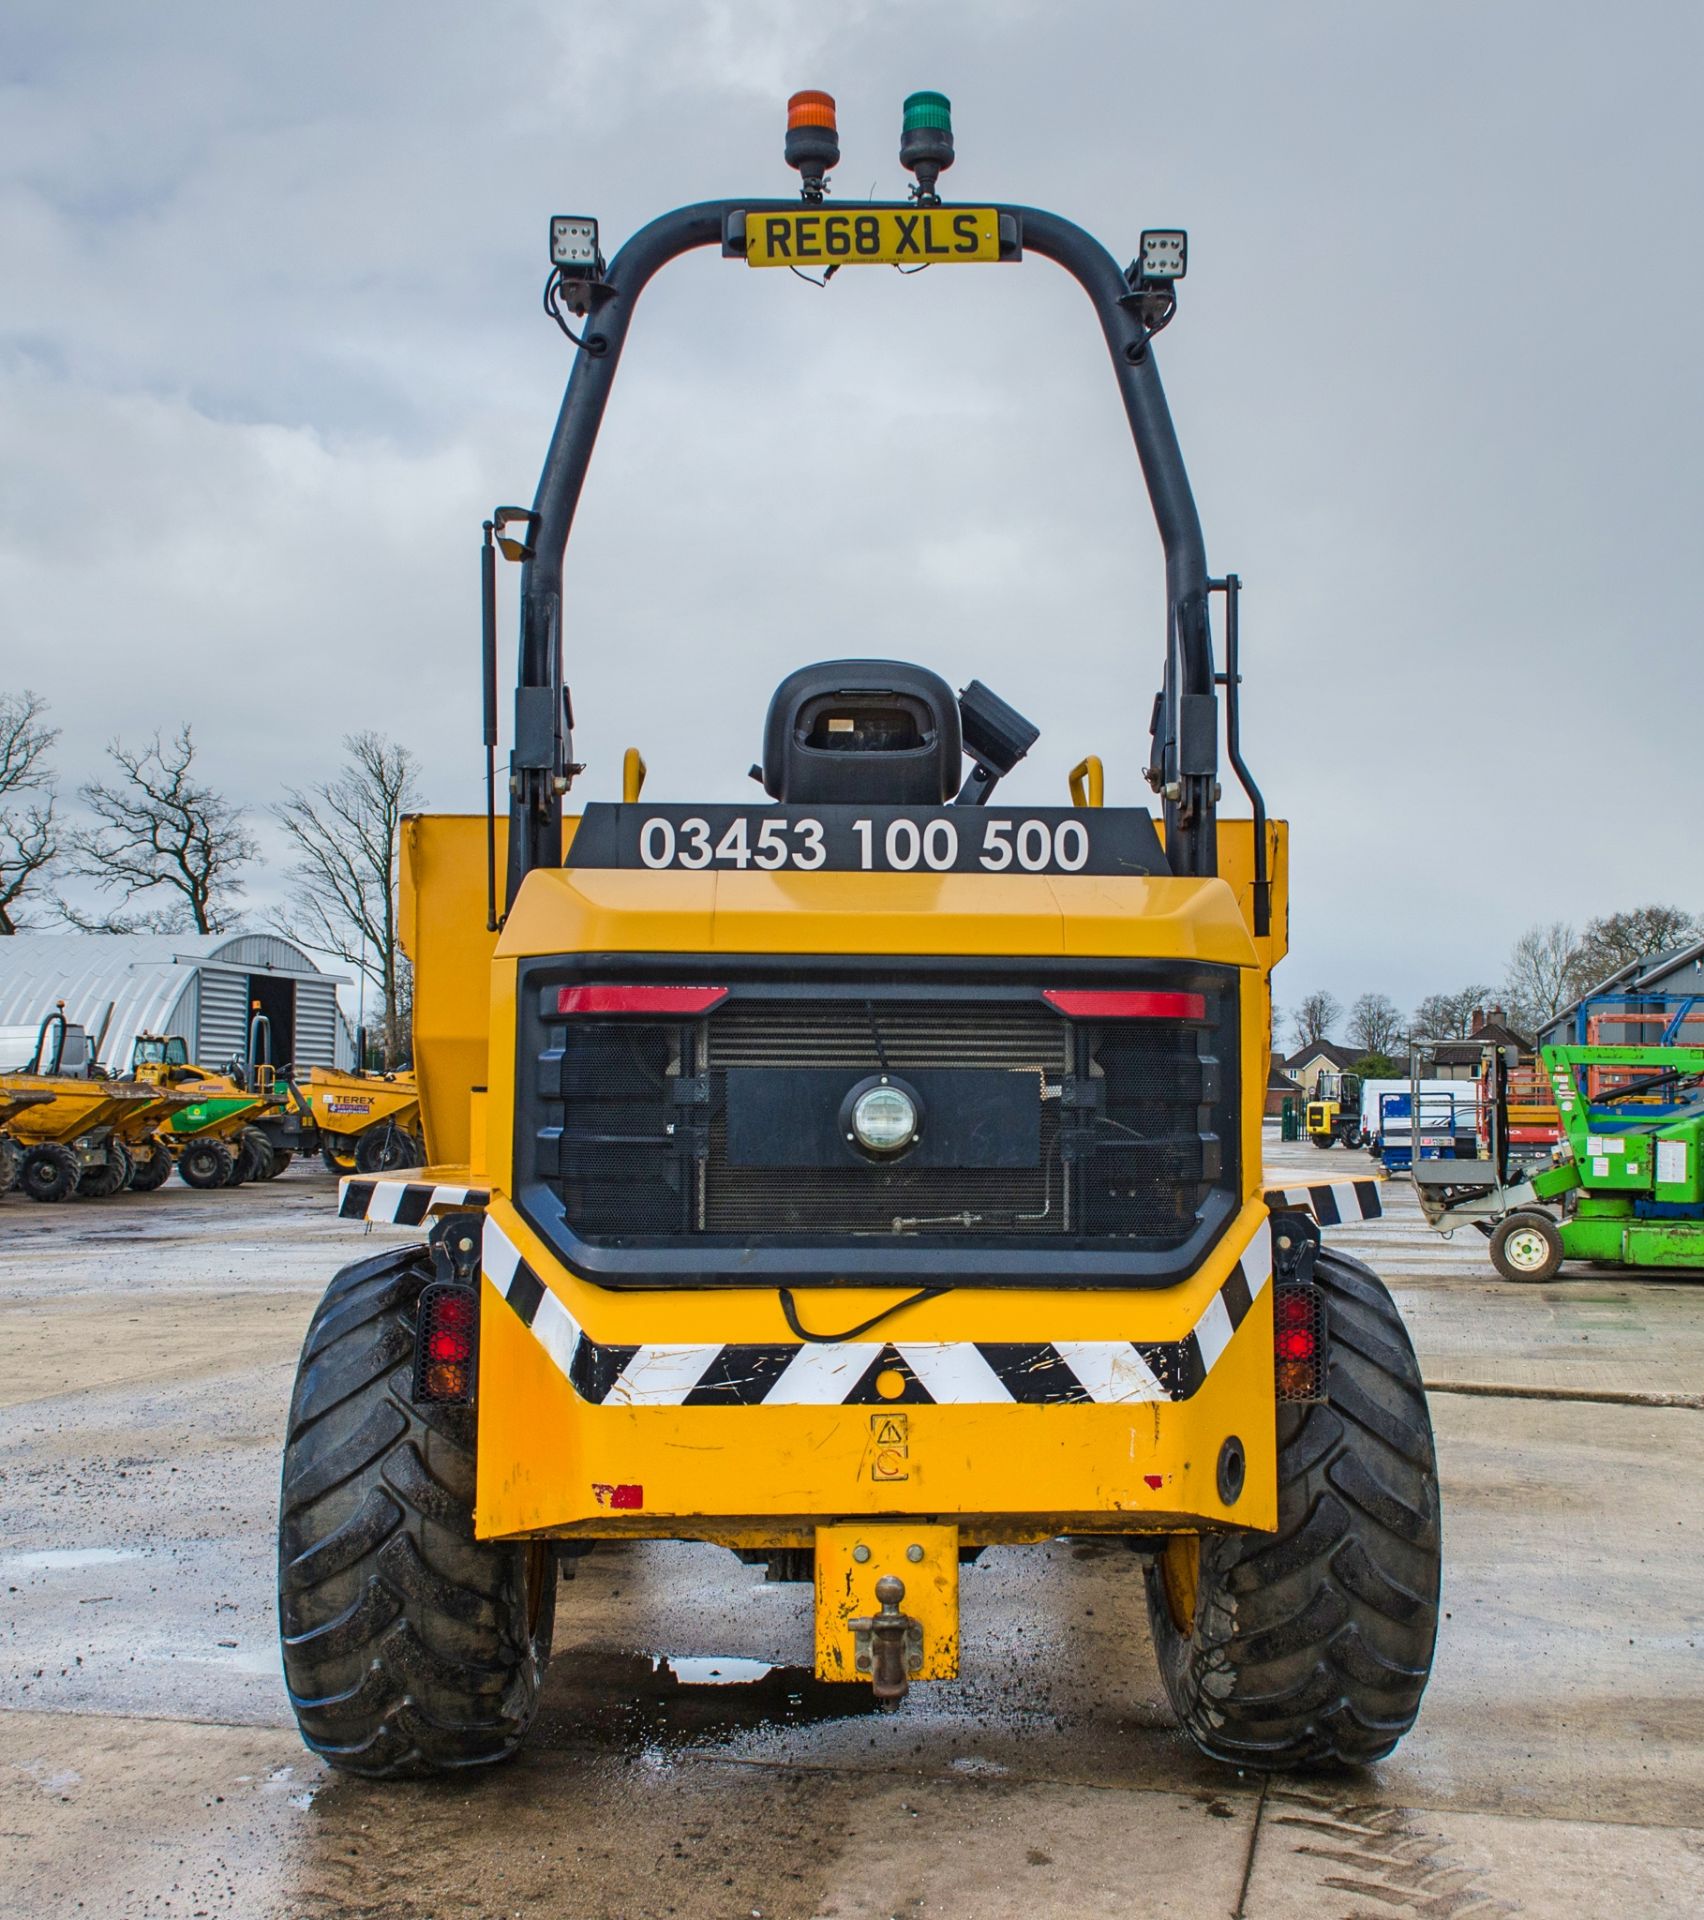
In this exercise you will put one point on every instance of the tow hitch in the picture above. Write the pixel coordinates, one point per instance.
(864, 1572)
(889, 1644)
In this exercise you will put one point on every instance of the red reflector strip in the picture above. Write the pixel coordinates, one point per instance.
(671, 1002)
(1093, 1003)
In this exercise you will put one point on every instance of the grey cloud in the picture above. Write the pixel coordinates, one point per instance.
(271, 347)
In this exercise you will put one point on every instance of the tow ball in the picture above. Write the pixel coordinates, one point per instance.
(888, 1645)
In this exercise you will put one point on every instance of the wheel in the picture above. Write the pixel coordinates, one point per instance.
(336, 1161)
(281, 1158)
(1527, 1246)
(1323, 1145)
(384, 1149)
(49, 1172)
(409, 1647)
(1314, 1645)
(151, 1169)
(110, 1177)
(205, 1164)
(11, 1163)
(254, 1154)
(237, 1172)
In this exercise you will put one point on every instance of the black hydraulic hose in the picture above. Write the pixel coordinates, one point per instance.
(790, 1313)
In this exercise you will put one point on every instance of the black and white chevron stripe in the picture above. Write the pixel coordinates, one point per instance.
(1331, 1202)
(843, 1373)
(403, 1203)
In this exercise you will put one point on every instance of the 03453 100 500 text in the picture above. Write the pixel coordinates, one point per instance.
(897, 845)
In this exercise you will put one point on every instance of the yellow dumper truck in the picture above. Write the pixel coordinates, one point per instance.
(861, 1177)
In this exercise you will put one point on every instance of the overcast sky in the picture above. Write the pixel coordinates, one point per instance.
(272, 347)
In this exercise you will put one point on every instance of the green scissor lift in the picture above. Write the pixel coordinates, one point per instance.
(1630, 1189)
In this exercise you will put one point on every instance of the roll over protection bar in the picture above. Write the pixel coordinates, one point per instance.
(1183, 763)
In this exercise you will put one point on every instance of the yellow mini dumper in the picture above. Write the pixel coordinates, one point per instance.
(216, 1131)
(858, 1178)
(72, 1141)
(360, 1122)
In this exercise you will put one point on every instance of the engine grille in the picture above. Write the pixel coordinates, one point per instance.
(1133, 1122)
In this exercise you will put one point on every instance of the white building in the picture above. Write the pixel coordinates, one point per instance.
(203, 986)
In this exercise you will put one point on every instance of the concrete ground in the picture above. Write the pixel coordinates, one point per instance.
(682, 1766)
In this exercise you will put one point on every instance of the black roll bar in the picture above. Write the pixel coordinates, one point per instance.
(1184, 758)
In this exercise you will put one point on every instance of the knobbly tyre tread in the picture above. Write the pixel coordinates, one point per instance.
(110, 1177)
(151, 1170)
(254, 1154)
(407, 1648)
(1311, 1647)
(49, 1173)
(204, 1164)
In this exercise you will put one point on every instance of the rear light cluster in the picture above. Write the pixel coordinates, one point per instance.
(1089, 1003)
(446, 1344)
(1298, 1340)
(651, 1003)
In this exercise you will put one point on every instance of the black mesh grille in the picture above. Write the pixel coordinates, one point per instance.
(845, 1032)
(1154, 1152)
(617, 1151)
(1133, 1119)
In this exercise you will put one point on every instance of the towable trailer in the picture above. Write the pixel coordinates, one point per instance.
(861, 1177)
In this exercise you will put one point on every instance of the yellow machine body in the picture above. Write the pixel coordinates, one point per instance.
(554, 1464)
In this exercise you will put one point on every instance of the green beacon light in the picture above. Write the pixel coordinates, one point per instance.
(926, 141)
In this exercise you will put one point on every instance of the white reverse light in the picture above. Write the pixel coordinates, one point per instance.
(573, 241)
(884, 1119)
(1165, 253)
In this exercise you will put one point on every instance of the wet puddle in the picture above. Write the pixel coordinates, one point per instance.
(634, 1700)
(64, 1559)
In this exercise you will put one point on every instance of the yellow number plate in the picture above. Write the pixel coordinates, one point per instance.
(814, 238)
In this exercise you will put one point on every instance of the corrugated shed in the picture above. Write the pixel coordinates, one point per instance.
(192, 984)
(316, 1024)
(221, 1034)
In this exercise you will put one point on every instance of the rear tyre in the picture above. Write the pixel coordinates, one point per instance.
(385, 1149)
(11, 1163)
(254, 1155)
(1527, 1246)
(110, 1177)
(281, 1158)
(409, 1647)
(150, 1170)
(50, 1172)
(1314, 1645)
(205, 1164)
(335, 1161)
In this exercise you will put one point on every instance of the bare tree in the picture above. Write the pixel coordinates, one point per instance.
(1375, 1024)
(1449, 1016)
(29, 842)
(161, 835)
(1314, 1017)
(1618, 939)
(1543, 973)
(345, 836)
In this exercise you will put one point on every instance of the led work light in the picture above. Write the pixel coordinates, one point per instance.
(1165, 253)
(574, 245)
